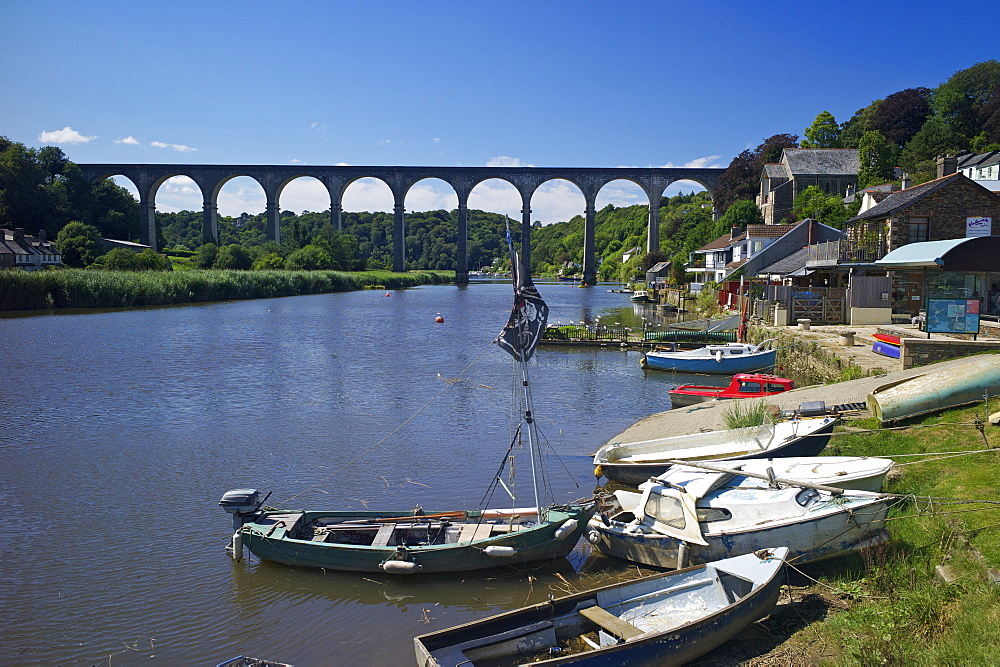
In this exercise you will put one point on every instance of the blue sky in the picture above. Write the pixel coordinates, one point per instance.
(540, 83)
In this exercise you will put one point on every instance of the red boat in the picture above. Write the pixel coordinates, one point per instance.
(743, 385)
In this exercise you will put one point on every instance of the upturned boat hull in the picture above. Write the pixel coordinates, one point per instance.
(955, 385)
(291, 538)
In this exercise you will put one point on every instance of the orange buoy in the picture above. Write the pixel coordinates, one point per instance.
(439, 319)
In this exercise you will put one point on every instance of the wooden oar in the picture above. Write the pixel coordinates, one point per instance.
(440, 515)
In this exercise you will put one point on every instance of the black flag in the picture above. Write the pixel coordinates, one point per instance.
(528, 318)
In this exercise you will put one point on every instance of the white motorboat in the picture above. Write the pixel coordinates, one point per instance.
(697, 517)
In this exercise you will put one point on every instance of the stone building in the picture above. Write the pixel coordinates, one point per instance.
(832, 170)
(27, 253)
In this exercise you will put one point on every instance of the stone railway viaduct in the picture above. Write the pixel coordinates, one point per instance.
(273, 178)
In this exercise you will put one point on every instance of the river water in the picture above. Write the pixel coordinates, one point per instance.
(120, 431)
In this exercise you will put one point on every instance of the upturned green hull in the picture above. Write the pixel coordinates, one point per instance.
(409, 543)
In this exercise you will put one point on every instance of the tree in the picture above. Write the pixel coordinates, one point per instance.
(816, 204)
(989, 116)
(901, 115)
(823, 133)
(957, 101)
(935, 138)
(876, 157)
(76, 242)
(272, 261)
(309, 258)
(740, 214)
(204, 258)
(233, 256)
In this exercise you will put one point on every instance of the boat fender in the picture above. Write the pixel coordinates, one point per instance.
(235, 549)
(497, 550)
(566, 529)
(593, 536)
(718, 356)
(598, 471)
(400, 567)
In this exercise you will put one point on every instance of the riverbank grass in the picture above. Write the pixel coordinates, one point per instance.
(80, 288)
(899, 610)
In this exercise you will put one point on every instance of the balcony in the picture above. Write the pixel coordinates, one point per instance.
(846, 251)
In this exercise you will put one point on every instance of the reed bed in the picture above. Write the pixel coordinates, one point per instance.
(79, 288)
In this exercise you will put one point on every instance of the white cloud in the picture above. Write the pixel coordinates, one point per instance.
(436, 140)
(368, 194)
(504, 161)
(296, 161)
(180, 148)
(709, 161)
(67, 135)
(317, 126)
(385, 142)
(130, 140)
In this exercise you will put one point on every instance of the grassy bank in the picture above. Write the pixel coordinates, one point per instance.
(77, 288)
(888, 606)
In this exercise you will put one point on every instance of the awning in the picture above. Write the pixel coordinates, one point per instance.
(926, 254)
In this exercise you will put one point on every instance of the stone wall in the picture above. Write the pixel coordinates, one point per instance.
(946, 211)
(920, 352)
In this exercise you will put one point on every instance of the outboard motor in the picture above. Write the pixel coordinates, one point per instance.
(241, 503)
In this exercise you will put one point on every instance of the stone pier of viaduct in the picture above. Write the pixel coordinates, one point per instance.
(147, 179)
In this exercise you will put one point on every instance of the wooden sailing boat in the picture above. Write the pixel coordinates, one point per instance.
(415, 541)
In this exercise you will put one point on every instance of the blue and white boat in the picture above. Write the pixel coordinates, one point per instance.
(726, 359)
(664, 619)
(690, 516)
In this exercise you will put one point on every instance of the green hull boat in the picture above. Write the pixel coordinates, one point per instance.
(410, 543)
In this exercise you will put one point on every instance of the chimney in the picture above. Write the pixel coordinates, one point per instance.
(904, 182)
(850, 190)
(811, 239)
(43, 235)
(18, 234)
(734, 232)
(946, 165)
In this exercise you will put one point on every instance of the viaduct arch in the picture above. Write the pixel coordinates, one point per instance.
(273, 178)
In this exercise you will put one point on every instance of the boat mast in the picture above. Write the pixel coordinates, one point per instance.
(525, 326)
(529, 418)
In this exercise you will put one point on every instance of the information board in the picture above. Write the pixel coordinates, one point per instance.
(953, 316)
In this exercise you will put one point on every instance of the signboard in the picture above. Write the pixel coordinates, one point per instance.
(953, 316)
(981, 226)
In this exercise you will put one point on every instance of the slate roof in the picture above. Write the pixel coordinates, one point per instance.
(769, 231)
(774, 170)
(978, 160)
(788, 265)
(840, 161)
(897, 201)
(718, 244)
(659, 266)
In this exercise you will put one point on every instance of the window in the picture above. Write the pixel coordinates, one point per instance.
(775, 387)
(918, 230)
(750, 387)
(666, 510)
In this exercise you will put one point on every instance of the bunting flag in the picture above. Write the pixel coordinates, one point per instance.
(527, 319)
